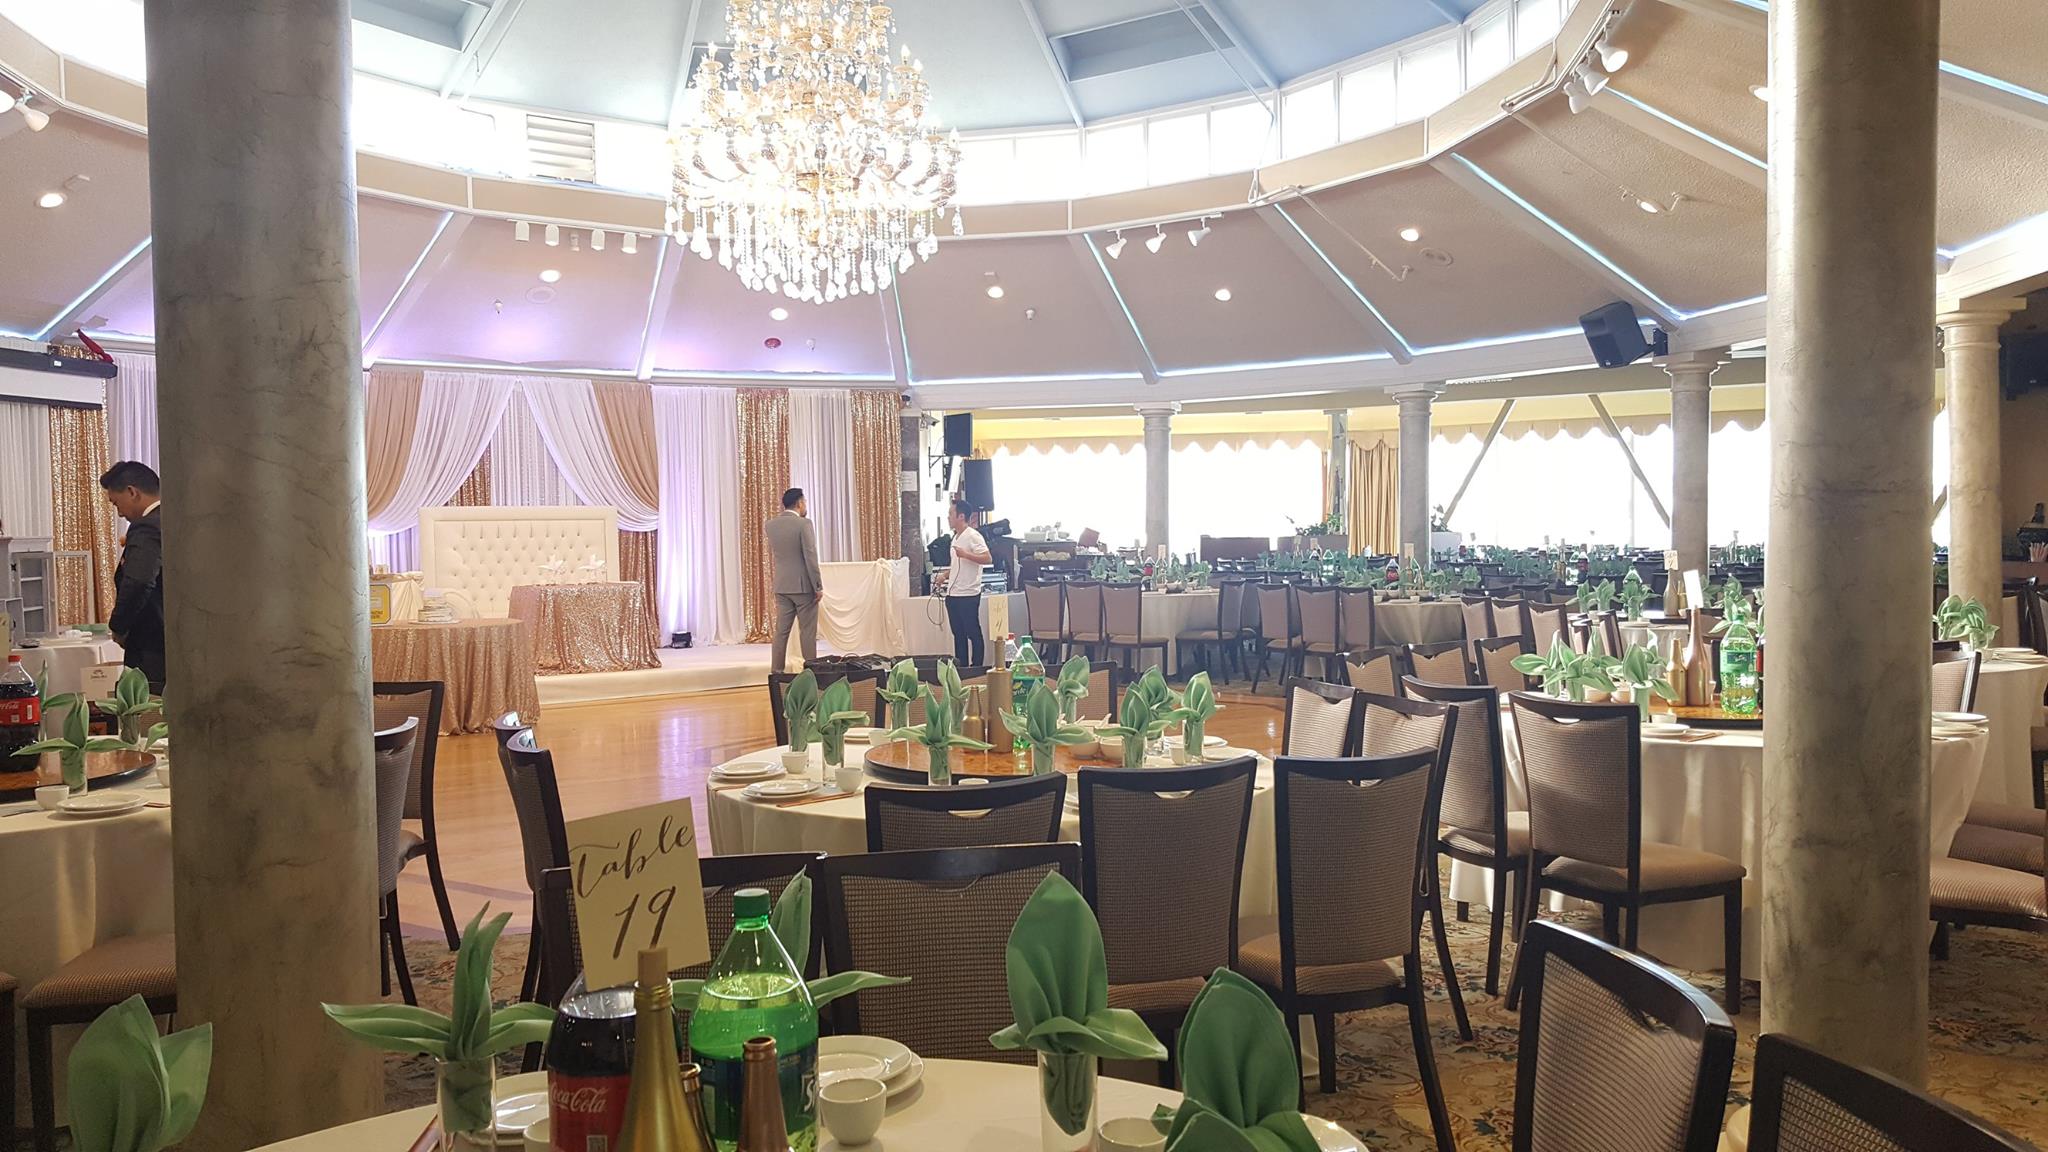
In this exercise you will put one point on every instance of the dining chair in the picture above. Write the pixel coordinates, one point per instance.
(1162, 862)
(554, 933)
(1583, 767)
(1045, 617)
(394, 759)
(1615, 1052)
(1546, 624)
(1278, 628)
(903, 818)
(1376, 670)
(394, 700)
(1123, 625)
(1215, 643)
(1475, 826)
(943, 919)
(77, 993)
(1358, 619)
(1497, 662)
(1321, 636)
(1352, 837)
(1443, 663)
(504, 728)
(1084, 617)
(1477, 614)
(1321, 720)
(543, 837)
(1505, 616)
(1954, 680)
(2002, 835)
(1966, 891)
(1802, 1100)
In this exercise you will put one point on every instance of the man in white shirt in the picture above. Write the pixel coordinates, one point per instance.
(963, 587)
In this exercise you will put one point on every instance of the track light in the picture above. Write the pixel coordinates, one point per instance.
(631, 244)
(1612, 59)
(1157, 238)
(1761, 92)
(6, 101)
(1116, 247)
(1575, 95)
(1198, 233)
(553, 235)
(1650, 206)
(597, 239)
(36, 117)
(522, 231)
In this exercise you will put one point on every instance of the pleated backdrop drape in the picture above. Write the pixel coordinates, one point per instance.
(131, 408)
(523, 471)
(697, 444)
(821, 463)
(24, 469)
(1373, 511)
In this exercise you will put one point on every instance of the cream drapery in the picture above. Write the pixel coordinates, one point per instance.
(25, 469)
(1372, 514)
(131, 408)
(821, 463)
(524, 473)
(567, 413)
(696, 432)
(391, 407)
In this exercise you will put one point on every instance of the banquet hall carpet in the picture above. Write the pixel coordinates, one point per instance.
(1988, 1044)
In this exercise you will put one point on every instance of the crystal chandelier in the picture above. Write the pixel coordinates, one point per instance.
(807, 164)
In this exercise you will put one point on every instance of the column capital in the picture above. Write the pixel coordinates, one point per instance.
(1415, 397)
(1693, 371)
(1977, 321)
(1157, 410)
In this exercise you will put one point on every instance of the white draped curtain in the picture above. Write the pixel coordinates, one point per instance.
(131, 408)
(523, 471)
(696, 434)
(566, 412)
(459, 413)
(25, 482)
(821, 463)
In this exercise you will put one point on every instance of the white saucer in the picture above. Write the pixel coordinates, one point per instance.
(1207, 741)
(101, 804)
(1664, 729)
(836, 1066)
(895, 1058)
(781, 789)
(863, 735)
(1332, 1138)
(513, 1114)
(1974, 719)
(753, 770)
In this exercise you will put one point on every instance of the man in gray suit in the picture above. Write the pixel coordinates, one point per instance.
(793, 544)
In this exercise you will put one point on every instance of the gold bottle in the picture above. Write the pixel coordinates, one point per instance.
(693, 1105)
(657, 1117)
(1699, 665)
(762, 1128)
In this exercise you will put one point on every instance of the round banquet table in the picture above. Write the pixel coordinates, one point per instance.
(2009, 693)
(487, 666)
(837, 824)
(66, 658)
(1708, 795)
(1418, 621)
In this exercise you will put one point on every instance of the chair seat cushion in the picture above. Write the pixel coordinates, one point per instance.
(1260, 960)
(1135, 641)
(109, 973)
(1968, 886)
(411, 845)
(1998, 847)
(1664, 866)
(1481, 840)
(1085, 637)
(1321, 648)
(1157, 995)
(1205, 634)
(2011, 817)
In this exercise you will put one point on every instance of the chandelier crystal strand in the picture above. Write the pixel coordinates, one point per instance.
(808, 166)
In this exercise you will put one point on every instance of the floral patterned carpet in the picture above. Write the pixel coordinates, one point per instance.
(1988, 1043)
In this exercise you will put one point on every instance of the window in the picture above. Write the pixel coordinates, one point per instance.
(1308, 121)
(1047, 168)
(1115, 159)
(1536, 24)
(1240, 137)
(1490, 49)
(1366, 101)
(1177, 148)
(986, 171)
(633, 157)
(1428, 79)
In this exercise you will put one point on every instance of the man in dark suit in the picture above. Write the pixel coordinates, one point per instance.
(138, 619)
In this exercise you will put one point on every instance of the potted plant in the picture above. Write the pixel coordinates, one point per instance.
(800, 712)
(1552, 668)
(939, 735)
(1643, 671)
(1592, 672)
(1634, 594)
(1194, 710)
(1594, 598)
(835, 715)
(902, 688)
(1041, 727)
(1072, 687)
(131, 702)
(72, 746)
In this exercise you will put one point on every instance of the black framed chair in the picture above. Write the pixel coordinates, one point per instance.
(1443, 663)
(76, 993)
(1475, 826)
(1216, 644)
(1322, 636)
(1123, 625)
(1615, 1052)
(1477, 613)
(942, 918)
(422, 700)
(394, 764)
(1358, 620)
(1279, 627)
(1321, 720)
(1804, 1101)
(543, 836)
(1964, 891)
(904, 818)
(1376, 670)
(1045, 618)
(1084, 618)
(1545, 624)
(1497, 663)
(1954, 679)
(1505, 617)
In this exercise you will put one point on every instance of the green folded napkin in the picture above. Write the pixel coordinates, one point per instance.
(1059, 983)
(1239, 1078)
(132, 1090)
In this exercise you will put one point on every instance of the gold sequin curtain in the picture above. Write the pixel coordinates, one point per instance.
(877, 467)
(764, 475)
(475, 491)
(639, 554)
(81, 518)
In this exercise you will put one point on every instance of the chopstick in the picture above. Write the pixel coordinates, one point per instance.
(429, 1137)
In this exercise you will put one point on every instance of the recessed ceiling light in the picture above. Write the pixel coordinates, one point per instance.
(778, 314)
(1411, 235)
(1649, 206)
(995, 291)
(549, 275)
(1223, 295)
(1761, 92)
(50, 199)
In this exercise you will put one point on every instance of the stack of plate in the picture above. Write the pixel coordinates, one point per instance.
(1959, 723)
(863, 735)
(1663, 729)
(788, 788)
(2015, 655)
(868, 1058)
(745, 771)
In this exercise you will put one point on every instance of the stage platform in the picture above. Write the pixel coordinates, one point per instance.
(682, 670)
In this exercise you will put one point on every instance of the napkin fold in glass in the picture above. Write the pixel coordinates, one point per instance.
(1239, 1077)
(132, 1090)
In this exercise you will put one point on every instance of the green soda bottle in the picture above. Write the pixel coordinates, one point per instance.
(754, 989)
(1738, 667)
(1026, 672)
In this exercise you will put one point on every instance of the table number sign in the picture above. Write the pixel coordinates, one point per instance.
(636, 885)
(998, 622)
(98, 681)
(1695, 590)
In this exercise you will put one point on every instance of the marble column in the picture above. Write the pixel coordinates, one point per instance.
(1415, 402)
(1976, 513)
(1337, 481)
(1850, 334)
(259, 351)
(1158, 466)
(1691, 427)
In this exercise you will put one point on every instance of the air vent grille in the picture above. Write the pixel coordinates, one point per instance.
(560, 149)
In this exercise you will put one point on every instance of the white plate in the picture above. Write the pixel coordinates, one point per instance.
(862, 735)
(836, 1066)
(895, 1057)
(1971, 718)
(747, 771)
(1665, 729)
(1331, 1138)
(2022, 658)
(101, 803)
(1958, 731)
(514, 1113)
(907, 1079)
(781, 789)
(2021, 652)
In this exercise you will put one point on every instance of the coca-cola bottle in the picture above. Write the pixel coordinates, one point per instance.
(21, 713)
(590, 1067)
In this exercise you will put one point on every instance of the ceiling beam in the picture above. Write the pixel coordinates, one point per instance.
(668, 268)
(2001, 97)
(1112, 301)
(1052, 58)
(894, 337)
(1672, 132)
(476, 54)
(1340, 287)
(436, 256)
(1449, 13)
(1236, 36)
(81, 309)
(682, 88)
(1737, 12)
(1488, 191)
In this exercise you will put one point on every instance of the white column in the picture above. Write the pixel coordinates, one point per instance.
(1851, 333)
(1415, 401)
(1976, 513)
(1158, 463)
(1338, 476)
(1691, 426)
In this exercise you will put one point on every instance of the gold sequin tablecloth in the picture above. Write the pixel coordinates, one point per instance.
(487, 666)
(586, 627)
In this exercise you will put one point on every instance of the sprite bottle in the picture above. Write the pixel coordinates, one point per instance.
(753, 989)
(1027, 671)
(1738, 667)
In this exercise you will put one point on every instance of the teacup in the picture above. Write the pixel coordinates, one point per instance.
(849, 777)
(852, 1109)
(796, 763)
(51, 795)
(536, 1137)
(1130, 1134)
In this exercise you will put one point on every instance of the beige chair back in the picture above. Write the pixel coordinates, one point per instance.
(1355, 610)
(1123, 610)
(909, 819)
(1506, 616)
(1581, 765)
(1548, 624)
(1044, 606)
(1276, 613)
(1318, 721)
(1497, 663)
(394, 702)
(1229, 607)
(1376, 673)
(1439, 663)
(1318, 607)
(1954, 681)
(1084, 611)
(1473, 781)
(394, 768)
(1478, 616)
(1351, 843)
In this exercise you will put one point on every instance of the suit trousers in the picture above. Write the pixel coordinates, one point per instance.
(802, 609)
(963, 614)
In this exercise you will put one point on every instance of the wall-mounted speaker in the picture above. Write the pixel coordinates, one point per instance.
(960, 434)
(1616, 337)
(978, 484)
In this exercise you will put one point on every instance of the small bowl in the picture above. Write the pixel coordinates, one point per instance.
(535, 1138)
(51, 795)
(1130, 1134)
(163, 770)
(852, 1109)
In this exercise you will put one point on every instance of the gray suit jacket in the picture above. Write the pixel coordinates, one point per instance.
(793, 544)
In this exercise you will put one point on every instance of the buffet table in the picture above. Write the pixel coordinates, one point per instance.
(601, 627)
(487, 666)
(859, 611)
(66, 657)
(2009, 693)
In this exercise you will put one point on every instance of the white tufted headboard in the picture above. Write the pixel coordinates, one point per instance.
(481, 554)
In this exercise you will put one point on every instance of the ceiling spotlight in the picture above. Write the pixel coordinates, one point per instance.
(549, 275)
(1411, 235)
(631, 244)
(553, 235)
(778, 314)
(1761, 92)
(1611, 58)
(36, 117)
(597, 239)
(1650, 206)
(50, 199)
(522, 231)
(1198, 233)
(1576, 96)
(1223, 295)
(995, 288)
(1157, 238)
(6, 101)
(1116, 247)
(575, 242)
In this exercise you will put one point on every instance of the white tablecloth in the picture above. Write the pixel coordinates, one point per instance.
(1166, 616)
(2010, 694)
(67, 658)
(1709, 795)
(858, 613)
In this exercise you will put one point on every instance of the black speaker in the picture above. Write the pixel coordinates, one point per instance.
(959, 434)
(978, 484)
(1616, 338)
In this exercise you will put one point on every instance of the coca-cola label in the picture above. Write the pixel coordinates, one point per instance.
(586, 1112)
(20, 711)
